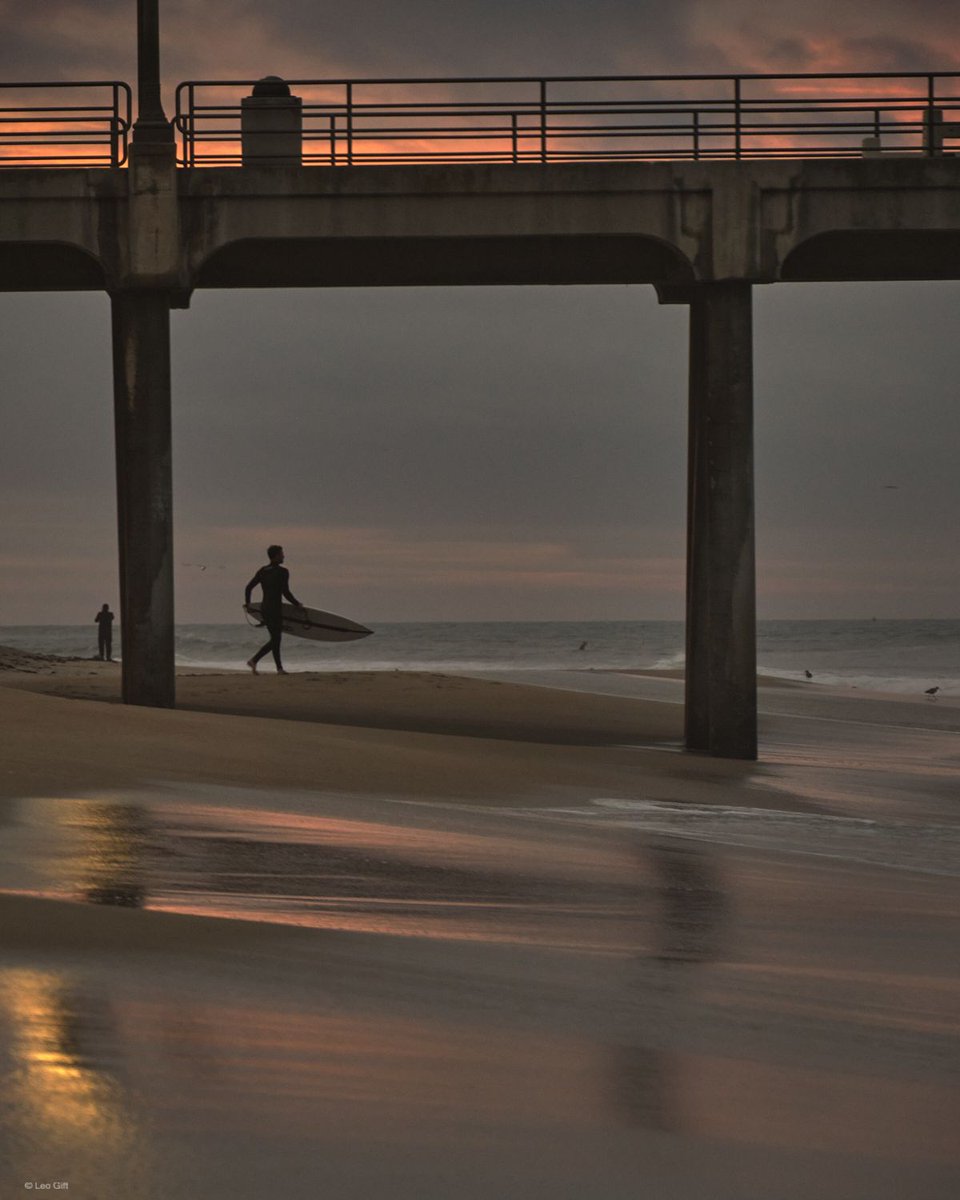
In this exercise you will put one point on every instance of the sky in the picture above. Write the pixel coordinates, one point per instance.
(486, 453)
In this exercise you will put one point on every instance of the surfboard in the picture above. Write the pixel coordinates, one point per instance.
(316, 625)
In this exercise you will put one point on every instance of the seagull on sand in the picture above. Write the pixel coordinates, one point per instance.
(931, 692)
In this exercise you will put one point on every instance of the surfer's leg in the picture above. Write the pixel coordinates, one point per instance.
(264, 649)
(275, 634)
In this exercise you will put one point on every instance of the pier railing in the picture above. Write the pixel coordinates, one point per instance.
(577, 119)
(64, 124)
(553, 119)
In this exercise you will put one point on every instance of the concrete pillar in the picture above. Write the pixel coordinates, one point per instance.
(141, 388)
(721, 674)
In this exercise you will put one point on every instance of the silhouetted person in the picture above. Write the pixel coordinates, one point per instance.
(104, 620)
(274, 579)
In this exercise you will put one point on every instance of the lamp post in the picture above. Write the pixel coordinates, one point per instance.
(151, 125)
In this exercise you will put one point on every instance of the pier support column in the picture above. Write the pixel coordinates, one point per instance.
(721, 673)
(141, 388)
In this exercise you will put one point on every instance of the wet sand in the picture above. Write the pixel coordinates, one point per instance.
(435, 937)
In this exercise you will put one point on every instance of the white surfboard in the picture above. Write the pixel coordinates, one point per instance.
(316, 625)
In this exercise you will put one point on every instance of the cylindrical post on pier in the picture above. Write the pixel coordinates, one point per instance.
(271, 126)
(721, 681)
(141, 374)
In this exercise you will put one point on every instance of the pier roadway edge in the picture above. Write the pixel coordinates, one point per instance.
(666, 224)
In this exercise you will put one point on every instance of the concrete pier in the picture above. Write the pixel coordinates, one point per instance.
(721, 686)
(702, 233)
(141, 388)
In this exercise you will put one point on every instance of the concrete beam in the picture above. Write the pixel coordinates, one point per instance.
(721, 671)
(141, 375)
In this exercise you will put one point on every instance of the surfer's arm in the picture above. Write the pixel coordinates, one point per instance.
(249, 588)
(287, 594)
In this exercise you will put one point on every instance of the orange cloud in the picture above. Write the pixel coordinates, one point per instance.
(826, 36)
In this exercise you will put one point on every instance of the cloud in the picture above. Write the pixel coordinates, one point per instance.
(487, 452)
(824, 36)
(299, 38)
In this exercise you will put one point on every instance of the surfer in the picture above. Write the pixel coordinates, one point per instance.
(274, 579)
(104, 620)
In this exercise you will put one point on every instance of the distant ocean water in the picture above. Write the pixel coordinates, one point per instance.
(900, 656)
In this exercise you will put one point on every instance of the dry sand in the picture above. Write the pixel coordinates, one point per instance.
(499, 991)
(389, 732)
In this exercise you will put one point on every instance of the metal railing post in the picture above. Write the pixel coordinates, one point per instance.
(349, 124)
(115, 128)
(543, 120)
(930, 138)
(514, 137)
(736, 119)
(696, 135)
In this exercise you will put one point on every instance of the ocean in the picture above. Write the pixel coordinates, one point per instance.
(880, 655)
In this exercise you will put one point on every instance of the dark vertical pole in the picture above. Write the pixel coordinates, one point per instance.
(115, 128)
(697, 688)
(141, 380)
(349, 124)
(543, 120)
(737, 129)
(151, 124)
(721, 686)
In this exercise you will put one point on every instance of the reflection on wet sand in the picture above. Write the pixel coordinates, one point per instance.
(594, 991)
(644, 1087)
(111, 856)
(327, 872)
(408, 889)
(693, 907)
(690, 907)
(64, 1105)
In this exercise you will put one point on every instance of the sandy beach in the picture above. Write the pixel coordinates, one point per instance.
(370, 933)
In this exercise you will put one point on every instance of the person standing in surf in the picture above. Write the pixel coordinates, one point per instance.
(274, 579)
(104, 620)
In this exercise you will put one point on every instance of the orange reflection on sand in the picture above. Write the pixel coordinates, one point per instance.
(444, 846)
(494, 925)
(51, 1082)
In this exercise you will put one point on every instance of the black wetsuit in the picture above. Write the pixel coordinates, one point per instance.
(105, 635)
(275, 582)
